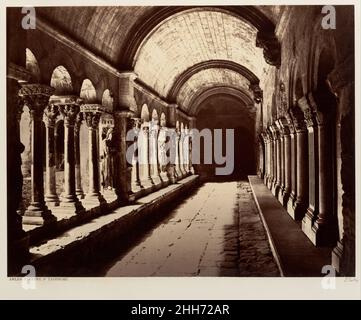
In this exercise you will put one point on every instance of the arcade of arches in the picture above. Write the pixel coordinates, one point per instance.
(86, 75)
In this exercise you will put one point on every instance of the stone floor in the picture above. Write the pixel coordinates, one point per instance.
(215, 232)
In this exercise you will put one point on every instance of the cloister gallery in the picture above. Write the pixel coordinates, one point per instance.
(85, 76)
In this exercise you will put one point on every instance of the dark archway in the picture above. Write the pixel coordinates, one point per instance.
(224, 111)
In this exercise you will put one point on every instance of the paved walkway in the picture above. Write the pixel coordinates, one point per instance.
(297, 255)
(215, 232)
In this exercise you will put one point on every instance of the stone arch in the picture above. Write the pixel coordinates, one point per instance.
(163, 119)
(210, 64)
(88, 92)
(107, 100)
(323, 46)
(32, 65)
(144, 113)
(155, 115)
(216, 90)
(61, 81)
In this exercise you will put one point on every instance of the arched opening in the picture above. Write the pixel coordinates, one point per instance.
(144, 113)
(107, 100)
(88, 92)
(61, 81)
(226, 112)
(32, 66)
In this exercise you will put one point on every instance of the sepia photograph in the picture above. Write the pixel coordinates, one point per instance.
(180, 141)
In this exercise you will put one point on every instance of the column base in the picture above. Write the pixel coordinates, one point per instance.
(136, 187)
(299, 209)
(280, 194)
(290, 206)
(324, 235)
(39, 216)
(70, 205)
(307, 223)
(164, 177)
(275, 189)
(80, 194)
(157, 182)
(265, 179)
(285, 197)
(178, 174)
(52, 200)
(147, 183)
(269, 183)
(336, 257)
(94, 200)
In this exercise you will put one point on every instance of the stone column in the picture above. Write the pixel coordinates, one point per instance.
(51, 197)
(270, 158)
(124, 138)
(293, 167)
(312, 210)
(162, 154)
(136, 186)
(286, 188)
(17, 239)
(181, 152)
(143, 141)
(178, 171)
(325, 227)
(277, 161)
(265, 143)
(153, 156)
(281, 173)
(301, 203)
(186, 151)
(91, 114)
(36, 97)
(69, 107)
(78, 186)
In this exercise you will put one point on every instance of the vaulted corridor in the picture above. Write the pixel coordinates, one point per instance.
(116, 113)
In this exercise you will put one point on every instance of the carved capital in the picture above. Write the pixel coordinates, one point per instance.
(69, 112)
(92, 119)
(309, 117)
(271, 48)
(91, 114)
(50, 114)
(290, 124)
(283, 126)
(36, 97)
(298, 120)
(78, 120)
